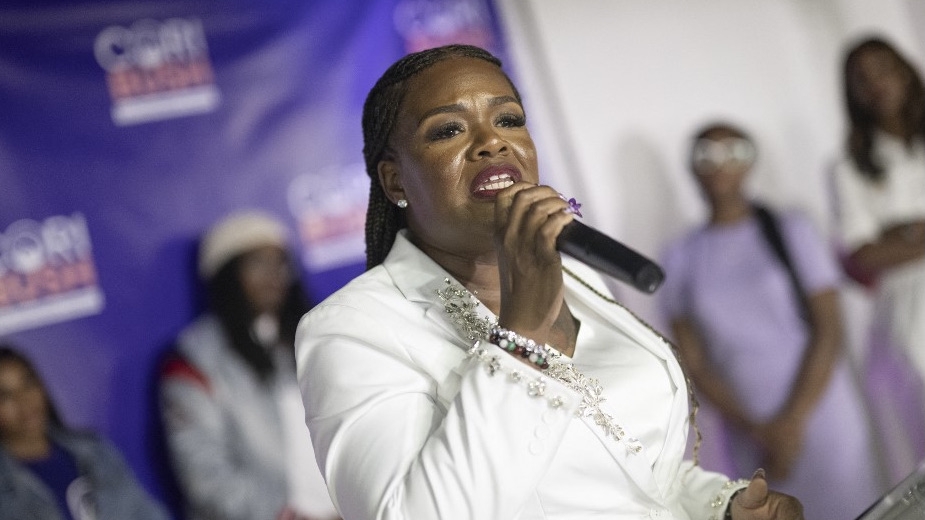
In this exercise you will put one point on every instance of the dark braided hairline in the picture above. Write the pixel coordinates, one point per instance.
(380, 112)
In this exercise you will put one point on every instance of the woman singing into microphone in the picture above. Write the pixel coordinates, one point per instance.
(472, 372)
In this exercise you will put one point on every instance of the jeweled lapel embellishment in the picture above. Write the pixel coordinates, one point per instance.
(592, 395)
(460, 305)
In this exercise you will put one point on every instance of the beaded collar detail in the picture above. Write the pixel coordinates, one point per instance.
(461, 306)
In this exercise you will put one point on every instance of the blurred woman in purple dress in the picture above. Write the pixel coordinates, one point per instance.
(751, 297)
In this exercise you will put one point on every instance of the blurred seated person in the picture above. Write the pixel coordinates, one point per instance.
(230, 404)
(49, 471)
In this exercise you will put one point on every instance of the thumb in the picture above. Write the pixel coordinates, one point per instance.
(756, 494)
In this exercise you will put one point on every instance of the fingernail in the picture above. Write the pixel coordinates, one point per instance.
(573, 205)
(759, 473)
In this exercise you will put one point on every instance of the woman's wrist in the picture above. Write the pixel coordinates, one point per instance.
(744, 424)
(913, 234)
(721, 504)
(728, 514)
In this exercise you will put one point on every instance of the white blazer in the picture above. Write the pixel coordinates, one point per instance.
(406, 425)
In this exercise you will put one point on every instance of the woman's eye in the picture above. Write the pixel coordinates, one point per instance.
(444, 131)
(511, 120)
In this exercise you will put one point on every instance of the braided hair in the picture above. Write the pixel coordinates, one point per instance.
(380, 112)
(863, 121)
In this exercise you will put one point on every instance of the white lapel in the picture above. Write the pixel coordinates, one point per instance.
(653, 480)
(615, 313)
(419, 278)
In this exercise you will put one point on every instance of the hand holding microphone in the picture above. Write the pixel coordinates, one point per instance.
(607, 255)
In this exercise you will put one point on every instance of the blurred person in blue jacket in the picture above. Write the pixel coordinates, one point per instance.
(49, 471)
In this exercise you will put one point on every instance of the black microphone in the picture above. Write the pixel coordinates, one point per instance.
(610, 257)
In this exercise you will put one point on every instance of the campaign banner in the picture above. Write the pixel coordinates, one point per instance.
(47, 273)
(129, 127)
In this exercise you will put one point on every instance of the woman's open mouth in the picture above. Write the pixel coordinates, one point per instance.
(493, 179)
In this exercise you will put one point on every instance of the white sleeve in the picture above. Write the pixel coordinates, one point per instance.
(205, 466)
(387, 446)
(705, 494)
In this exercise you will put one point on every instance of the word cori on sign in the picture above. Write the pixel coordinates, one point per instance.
(47, 273)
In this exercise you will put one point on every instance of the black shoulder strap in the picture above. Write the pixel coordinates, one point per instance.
(772, 234)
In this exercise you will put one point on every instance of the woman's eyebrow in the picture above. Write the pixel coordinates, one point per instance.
(458, 107)
(444, 109)
(500, 100)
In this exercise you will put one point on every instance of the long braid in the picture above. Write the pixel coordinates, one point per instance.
(380, 112)
(383, 220)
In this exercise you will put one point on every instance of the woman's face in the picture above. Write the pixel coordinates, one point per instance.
(459, 138)
(721, 159)
(879, 83)
(23, 408)
(265, 277)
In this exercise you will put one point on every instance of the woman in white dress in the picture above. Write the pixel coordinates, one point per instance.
(880, 193)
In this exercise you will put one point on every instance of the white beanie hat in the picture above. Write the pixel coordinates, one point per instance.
(235, 234)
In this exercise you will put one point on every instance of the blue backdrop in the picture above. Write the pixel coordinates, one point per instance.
(128, 127)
